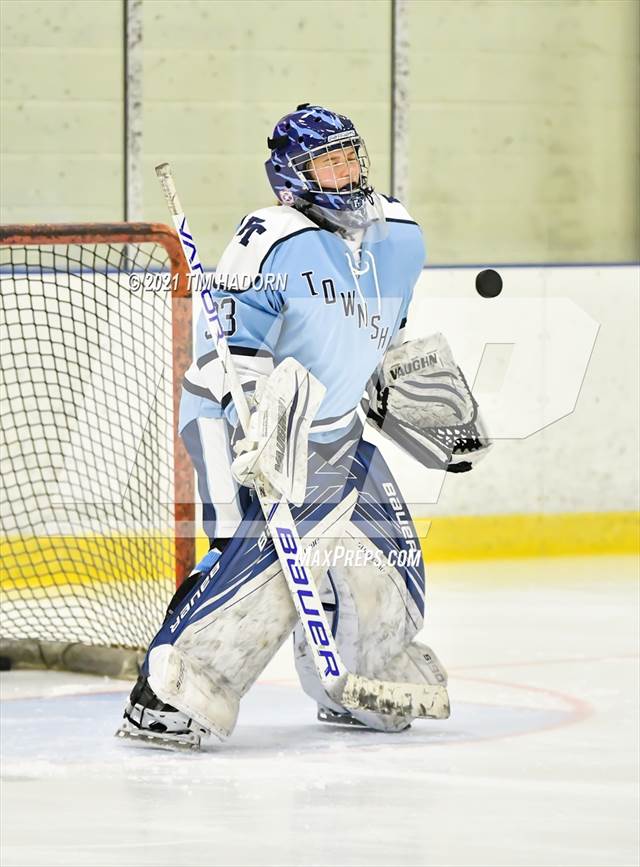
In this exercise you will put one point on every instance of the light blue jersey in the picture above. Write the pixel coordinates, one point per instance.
(289, 288)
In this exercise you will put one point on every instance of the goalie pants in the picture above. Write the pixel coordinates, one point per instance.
(235, 618)
(223, 501)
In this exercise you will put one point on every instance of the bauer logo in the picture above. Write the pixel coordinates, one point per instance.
(308, 610)
(402, 516)
(192, 601)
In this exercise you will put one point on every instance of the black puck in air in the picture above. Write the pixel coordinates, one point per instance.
(488, 283)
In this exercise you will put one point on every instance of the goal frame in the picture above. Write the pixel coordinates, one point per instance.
(52, 234)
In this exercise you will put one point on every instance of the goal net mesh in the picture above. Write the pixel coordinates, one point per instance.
(88, 485)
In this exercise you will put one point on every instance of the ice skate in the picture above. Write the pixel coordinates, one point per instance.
(343, 720)
(149, 721)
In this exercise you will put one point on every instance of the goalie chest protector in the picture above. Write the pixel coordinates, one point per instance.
(297, 290)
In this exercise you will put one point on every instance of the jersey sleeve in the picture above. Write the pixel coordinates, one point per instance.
(250, 293)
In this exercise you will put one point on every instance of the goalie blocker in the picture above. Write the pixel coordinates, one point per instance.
(421, 401)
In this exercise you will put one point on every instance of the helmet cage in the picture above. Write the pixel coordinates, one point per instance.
(345, 186)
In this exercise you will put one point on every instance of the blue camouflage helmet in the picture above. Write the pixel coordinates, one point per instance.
(303, 135)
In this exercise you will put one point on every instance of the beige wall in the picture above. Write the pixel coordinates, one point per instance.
(523, 113)
(219, 75)
(524, 129)
(61, 91)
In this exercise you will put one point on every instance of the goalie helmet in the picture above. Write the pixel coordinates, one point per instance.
(301, 136)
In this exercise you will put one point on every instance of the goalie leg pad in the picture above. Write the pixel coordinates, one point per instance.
(377, 620)
(207, 697)
(416, 663)
(377, 589)
(208, 654)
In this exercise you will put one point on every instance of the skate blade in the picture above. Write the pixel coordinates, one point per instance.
(340, 720)
(162, 741)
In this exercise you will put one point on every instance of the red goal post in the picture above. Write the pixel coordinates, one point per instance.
(92, 374)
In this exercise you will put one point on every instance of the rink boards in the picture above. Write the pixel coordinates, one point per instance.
(567, 488)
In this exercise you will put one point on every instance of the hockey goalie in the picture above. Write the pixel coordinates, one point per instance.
(313, 295)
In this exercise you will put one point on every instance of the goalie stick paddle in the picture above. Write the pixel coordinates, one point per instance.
(345, 688)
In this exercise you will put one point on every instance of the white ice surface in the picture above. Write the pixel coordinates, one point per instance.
(537, 765)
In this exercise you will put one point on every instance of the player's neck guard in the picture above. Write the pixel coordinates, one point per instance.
(368, 216)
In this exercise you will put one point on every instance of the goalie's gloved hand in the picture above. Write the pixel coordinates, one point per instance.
(421, 400)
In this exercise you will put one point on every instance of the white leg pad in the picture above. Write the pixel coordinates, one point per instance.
(418, 663)
(218, 657)
(377, 624)
(179, 681)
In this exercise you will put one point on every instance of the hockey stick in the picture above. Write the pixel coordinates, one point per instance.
(349, 690)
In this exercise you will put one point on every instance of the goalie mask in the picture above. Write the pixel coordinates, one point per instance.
(338, 195)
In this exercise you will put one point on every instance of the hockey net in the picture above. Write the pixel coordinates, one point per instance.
(96, 490)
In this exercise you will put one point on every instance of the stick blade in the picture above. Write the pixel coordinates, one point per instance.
(406, 699)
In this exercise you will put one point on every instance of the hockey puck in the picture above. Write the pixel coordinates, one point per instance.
(488, 283)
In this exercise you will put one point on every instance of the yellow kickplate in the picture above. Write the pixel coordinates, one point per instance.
(482, 537)
(62, 561)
